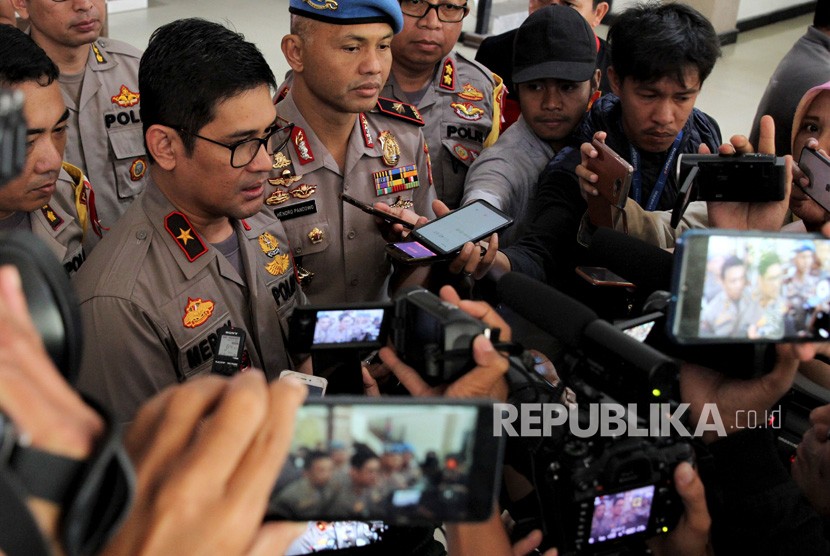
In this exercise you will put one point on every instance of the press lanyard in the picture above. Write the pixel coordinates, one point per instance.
(636, 179)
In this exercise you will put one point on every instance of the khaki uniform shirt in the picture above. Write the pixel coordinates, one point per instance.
(153, 296)
(339, 243)
(107, 118)
(462, 112)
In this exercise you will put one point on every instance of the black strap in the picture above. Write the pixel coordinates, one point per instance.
(45, 475)
(19, 533)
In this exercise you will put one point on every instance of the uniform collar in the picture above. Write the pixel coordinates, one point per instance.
(100, 58)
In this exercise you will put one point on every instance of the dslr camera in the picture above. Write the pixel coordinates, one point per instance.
(430, 335)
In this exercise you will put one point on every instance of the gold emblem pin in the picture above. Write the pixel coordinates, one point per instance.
(285, 180)
(277, 198)
(269, 245)
(390, 148)
(322, 5)
(281, 161)
(303, 191)
(316, 236)
(278, 265)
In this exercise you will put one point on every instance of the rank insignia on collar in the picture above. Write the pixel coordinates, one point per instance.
(280, 161)
(301, 145)
(278, 197)
(179, 227)
(281, 95)
(197, 312)
(395, 180)
(315, 236)
(98, 56)
(400, 202)
(467, 110)
(461, 152)
(269, 245)
(278, 265)
(126, 98)
(448, 75)
(322, 4)
(470, 93)
(303, 191)
(399, 110)
(54, 220)
(390, 148)
(367, 136)
(138, 168)
(286, 179)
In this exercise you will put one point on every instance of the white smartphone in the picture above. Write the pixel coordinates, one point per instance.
(316, 384)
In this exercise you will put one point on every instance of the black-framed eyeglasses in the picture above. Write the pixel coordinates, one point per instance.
(448, 13)
(244, 152)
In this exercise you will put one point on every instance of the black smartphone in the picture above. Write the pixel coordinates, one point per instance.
(445, 236)
(230, 345)
(734, 287)
(401, 460)
(817, 168)
(369, 209)
(746, 178)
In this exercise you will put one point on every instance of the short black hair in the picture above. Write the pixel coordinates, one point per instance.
(22, 60)
(190, 67)
(313, 456)
(821, 17)
(361, 455)
(650, 41)
(730, 262)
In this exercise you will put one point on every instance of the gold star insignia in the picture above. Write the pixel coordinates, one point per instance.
(184, 236)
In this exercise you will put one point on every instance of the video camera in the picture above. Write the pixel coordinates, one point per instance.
(430, 335)
(582, 470)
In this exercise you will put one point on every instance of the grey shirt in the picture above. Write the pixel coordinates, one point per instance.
(505, 175)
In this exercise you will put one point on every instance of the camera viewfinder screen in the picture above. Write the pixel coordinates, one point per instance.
(399, 463)
(229, 346)
(348, 326)
(761, 288)
(621, 514)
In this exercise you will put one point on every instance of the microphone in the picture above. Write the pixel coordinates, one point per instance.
(605, 347)
(647, 266)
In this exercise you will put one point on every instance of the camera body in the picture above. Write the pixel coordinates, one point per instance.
(12, 135)
(607, 491)
(430, 335)
(747, 178)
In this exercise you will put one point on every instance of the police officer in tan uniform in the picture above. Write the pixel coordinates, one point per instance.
(196, 252)
(459, 99)
(99, 79)
(29, 201)
(344, 140)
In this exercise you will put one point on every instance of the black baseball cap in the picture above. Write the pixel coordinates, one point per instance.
(554, 42)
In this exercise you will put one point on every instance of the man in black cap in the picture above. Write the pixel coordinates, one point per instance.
(555, 73)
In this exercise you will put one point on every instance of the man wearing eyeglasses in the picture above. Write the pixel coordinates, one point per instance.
(99, 81)
(459, 99)
(196, 253)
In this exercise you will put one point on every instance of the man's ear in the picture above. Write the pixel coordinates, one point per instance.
(164, 145)
(614, 80)
(20, 7)
(292, 49)
(595, 80)
(599, 12)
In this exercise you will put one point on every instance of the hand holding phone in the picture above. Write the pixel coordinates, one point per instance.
(444, 237)
(613, 172)
(316, 384)
(369, 209)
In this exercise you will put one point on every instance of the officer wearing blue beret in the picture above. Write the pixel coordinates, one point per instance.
(345, 140)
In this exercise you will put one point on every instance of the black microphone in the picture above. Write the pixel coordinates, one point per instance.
(604, 346)
(646, 265)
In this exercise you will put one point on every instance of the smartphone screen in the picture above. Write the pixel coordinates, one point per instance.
(471, 222)
(621, 514)
(817, 169)
(750, 287)
(404, 462)
(414, 250)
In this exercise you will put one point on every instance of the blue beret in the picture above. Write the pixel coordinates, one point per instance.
(350, 12)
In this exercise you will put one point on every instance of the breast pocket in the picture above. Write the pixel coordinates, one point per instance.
(130, 165)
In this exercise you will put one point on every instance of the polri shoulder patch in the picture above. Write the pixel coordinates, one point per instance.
(184, 235)
(400, 110)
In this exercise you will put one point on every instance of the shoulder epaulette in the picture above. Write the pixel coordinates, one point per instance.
(184, 235)
(400, 110)
(51, 216)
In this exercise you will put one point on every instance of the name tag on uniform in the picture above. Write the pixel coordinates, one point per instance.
(296, 210)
